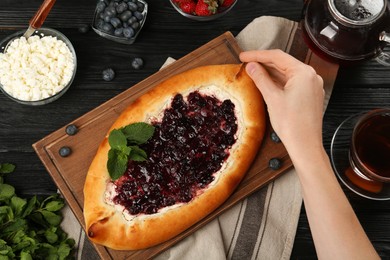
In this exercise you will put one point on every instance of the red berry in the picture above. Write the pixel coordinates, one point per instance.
(226, 3)
(188, 6)
(206, 7)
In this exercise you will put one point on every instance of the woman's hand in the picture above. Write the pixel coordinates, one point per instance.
(294, 95)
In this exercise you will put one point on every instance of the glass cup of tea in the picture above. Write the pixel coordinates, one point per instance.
(369, 154)
(348, 31)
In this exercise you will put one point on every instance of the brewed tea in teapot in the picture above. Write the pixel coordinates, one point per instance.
(347, 31)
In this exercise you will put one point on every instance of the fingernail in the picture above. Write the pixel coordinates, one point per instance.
(250, 68)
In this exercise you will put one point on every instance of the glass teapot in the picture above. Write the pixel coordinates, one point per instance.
(348, 31)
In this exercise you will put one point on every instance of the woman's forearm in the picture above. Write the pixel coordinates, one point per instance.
(335, 228)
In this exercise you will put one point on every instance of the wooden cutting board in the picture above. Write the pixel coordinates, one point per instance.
(69, 173)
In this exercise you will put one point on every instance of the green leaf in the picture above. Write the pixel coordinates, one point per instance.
(18, 204)
(6, 168)
(37, 217)
(116, 164)
(25, 256)
(6, 191)
(30, 206)
(51, 236)
(52, 218)
(18, 224)
(138, 133)
(137, 154)
(54, 205)
(117, 139)
(63, 250)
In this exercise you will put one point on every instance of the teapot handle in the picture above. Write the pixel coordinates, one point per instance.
(384, 56)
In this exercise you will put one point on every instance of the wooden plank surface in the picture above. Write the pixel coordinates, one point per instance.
(166, 33)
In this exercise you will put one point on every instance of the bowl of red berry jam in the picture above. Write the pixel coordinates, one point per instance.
(203, 10)
(119, 20)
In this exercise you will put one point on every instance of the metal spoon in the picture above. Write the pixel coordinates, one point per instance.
(37, 20)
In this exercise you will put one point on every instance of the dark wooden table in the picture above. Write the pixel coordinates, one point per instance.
(167, 34)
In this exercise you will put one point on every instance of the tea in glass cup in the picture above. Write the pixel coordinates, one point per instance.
(370, 151)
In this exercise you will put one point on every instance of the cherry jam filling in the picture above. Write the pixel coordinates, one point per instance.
(189, 145)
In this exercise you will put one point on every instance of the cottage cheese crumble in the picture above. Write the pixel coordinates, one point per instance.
(36, 68)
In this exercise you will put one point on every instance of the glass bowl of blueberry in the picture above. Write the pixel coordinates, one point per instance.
(201, 10)
(120, 20)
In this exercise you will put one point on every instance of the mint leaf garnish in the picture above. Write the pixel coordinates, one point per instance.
(124, 147)
(137, 154)
(117, 163)
(117, 139)
(138, 133)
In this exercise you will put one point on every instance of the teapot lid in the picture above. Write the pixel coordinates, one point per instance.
(357, 12)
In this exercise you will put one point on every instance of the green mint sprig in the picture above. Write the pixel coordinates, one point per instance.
(124, 143)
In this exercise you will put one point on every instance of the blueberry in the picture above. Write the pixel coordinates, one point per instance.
(99, 24)
(108, 28)
(132, 20)
(84, 28)
(135, 25)
(115, 22)
(275, 163)
(108, 74)
(65, 151)
(110, 11)
(128, 32)
(125, 16)
(121, 7)
(141, 7)
(139, 15)
(274, 137)
(137, 63)
(132, 6)
(71, 130)
(107, 17)
(118, 32)
(100, 7)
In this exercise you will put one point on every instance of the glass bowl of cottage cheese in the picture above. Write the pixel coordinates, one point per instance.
(37, 70)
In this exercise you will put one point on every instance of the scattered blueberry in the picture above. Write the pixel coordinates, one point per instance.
(137, 63)
(71, 129)
(84, 28)
(108, 74)
(274, 137)
(65, 151)
(275, 163)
